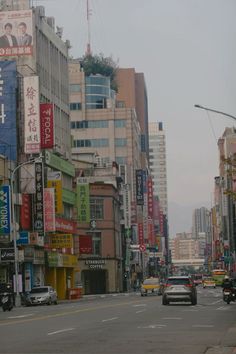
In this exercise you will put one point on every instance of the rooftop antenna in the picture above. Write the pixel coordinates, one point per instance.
(89, 13)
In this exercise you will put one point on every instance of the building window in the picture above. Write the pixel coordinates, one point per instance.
(97, 208)
(75, 88)
(96, 243)
(120, 123)
(120, 104)
(121, 160)
(91, 143)
(119, 142)
(75, 106)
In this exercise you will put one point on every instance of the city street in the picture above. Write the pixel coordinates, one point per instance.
(122, 324)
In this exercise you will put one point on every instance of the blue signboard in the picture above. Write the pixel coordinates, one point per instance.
(23, 239)
(8, 136)
(5, 207)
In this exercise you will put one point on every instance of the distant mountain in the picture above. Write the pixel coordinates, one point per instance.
(180, 217)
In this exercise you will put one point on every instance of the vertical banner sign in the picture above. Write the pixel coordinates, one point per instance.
(46, 125)
(5, 207)
(127, 206)
(83, 202)
(25, 212)
(139, 187)
(17, 33)
(49, 210)
(150, 197)
(32, 115)
(39, 200)
(8, 136)
(140, 234)
(145, 207)
(54, 180)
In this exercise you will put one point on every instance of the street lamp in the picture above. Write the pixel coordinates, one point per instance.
(13, 226)
(219, 112)
(214, 110)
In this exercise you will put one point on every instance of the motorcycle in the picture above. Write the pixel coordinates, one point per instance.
(229, 295)
(6, 302)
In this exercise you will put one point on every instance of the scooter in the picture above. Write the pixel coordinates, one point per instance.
(7, 302)
(229, 295)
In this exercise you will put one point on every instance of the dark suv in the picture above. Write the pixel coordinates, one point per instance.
(179, 288)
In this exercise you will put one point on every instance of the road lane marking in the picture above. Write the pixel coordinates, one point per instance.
(216, 302)
(110, 319)
(60, 331)
(140, 305)
(20, 316)
(140, 311)
(153, 326)
(67, 313)
(203, 326)
(172, 318)
(222, 308)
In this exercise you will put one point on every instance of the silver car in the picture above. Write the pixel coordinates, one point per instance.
(40, 295)
(179, 288)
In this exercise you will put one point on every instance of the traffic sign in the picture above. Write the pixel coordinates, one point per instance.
(142, 248)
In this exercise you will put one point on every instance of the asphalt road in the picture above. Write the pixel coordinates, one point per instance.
(122, 324)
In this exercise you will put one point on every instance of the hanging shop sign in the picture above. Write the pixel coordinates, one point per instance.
(32, 115)
(46, 125)
(5, 207)
(39, 200)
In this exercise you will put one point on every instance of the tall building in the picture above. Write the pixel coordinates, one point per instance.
(40, 126)
(200, 222)
(157, 163)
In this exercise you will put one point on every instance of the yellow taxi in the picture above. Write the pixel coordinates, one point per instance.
(150, 286)
(208, 282)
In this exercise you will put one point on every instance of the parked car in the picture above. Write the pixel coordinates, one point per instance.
(208, 282)
(41, 295)
(150, 286)
(179, 288)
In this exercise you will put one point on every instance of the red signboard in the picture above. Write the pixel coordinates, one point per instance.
(66, 226)
(46, 125)
(85, 244)
(25, 212)
(140, 234)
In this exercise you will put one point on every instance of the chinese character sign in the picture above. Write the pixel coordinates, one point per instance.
(54, 180)
(83, 202)
(139, 187)
(16, 33)
(8, 136)
(39, 199)
(32, 115)
(49, 210)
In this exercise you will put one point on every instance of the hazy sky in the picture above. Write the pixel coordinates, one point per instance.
(187, 52)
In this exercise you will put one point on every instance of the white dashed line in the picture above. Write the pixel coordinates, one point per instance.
(110, 319)
(60, 331)
(140, 311)
(202, 326)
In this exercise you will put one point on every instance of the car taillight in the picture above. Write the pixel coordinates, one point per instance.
(189, 285)
(167, 284)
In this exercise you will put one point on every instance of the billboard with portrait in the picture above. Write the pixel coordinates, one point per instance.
(16, 33)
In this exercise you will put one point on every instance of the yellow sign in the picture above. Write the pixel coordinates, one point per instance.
(61, 241)
(54, 180)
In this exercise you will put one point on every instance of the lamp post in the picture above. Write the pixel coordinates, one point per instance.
(13, 226)
(215, 111)
(218, 112)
